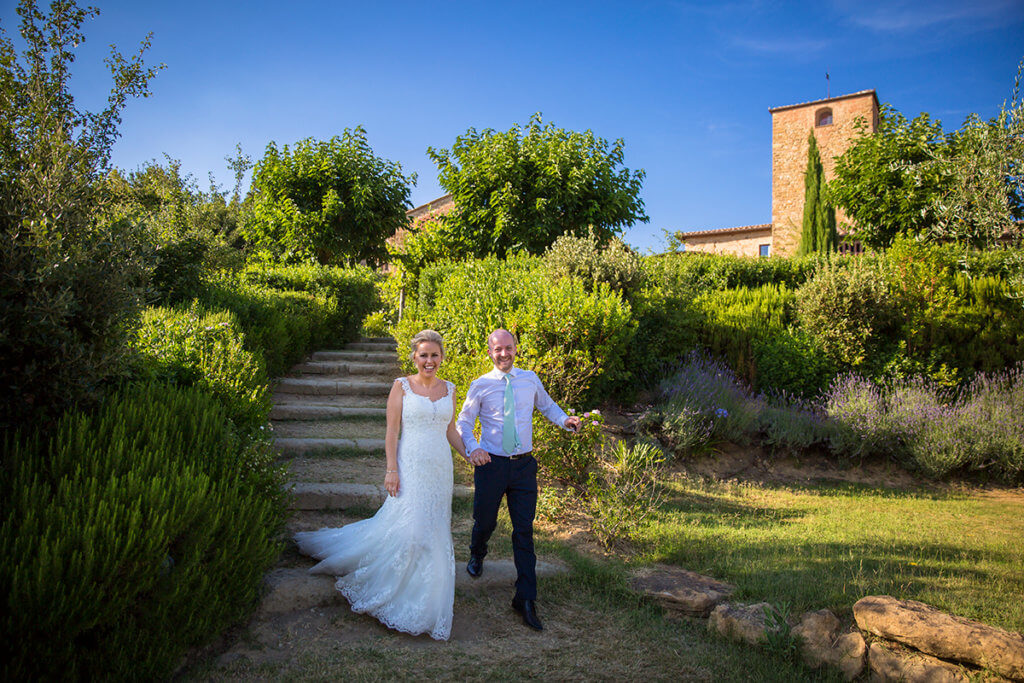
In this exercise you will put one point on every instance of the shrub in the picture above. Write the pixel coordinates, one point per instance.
(69, 280)
(690, 274)
(916, 421)
(704, 397)
(590, 261)
(734, 319)
(566, 457)
(793, 425)
(791, 361)
(848, 311)
(191, 347)
(178, 271)
(351, 289)
(577, 341)
(131, 535)
(953, 323)
(668, 327)
(863, 428)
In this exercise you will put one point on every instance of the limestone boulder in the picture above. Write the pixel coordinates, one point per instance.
(943, 635)
(744, 623)
(887, 665)
(821, 644)
(681, 591)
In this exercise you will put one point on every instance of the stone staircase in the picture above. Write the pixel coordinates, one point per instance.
(328, 418)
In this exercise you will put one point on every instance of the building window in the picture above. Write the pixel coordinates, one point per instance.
(764, 250)
(823, 117)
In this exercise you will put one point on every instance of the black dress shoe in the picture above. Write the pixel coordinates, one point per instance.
(475, 566)
(528, 608)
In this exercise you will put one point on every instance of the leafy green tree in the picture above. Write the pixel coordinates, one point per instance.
(819, 225)
(68, 275)
(889, 182)
(985, 195)
(334, 201)
(521, 189)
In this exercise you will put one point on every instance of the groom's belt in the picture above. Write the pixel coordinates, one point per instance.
(518, 456)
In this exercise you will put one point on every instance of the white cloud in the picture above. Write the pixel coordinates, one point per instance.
(908, 16)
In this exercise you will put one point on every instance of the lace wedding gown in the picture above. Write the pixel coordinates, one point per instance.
(398, 565)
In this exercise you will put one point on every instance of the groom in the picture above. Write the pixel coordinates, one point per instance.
(503, 400)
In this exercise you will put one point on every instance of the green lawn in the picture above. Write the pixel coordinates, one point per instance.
(830, 545)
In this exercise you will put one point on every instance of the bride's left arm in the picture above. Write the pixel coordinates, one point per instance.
(454, 438)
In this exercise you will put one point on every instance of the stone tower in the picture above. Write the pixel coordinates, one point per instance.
(832, 121)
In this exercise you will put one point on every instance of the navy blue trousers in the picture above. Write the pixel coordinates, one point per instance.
(517, 481)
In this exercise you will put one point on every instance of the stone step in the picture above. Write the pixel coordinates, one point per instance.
(285, 399)
(330, 429)
(376, 347)
(314, 411)
(352, 470)
(335, 496)
(292, 589)
(304, 446)
(329, 387)
(382, 357)
(344, 368)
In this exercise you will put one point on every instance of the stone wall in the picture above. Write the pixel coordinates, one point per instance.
(729, 241)
(790, 127)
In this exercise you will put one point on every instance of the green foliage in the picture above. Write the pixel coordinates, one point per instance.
(575, 339)
(190, 347)
(284, 312)
(818, 231)
(952, 323)
(888, 182)
(791, 361)
(848, 311)
(985, 195)
(187, 233)
(334, 201)
(569, 458)
(131, 535)
(591, 262)
(68, 279)
(733, 320)
(521, 189)
(688, 275)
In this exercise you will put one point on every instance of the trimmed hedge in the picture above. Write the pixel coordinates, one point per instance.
(130, 535)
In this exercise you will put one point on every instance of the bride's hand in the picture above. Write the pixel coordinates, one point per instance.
(391, 483)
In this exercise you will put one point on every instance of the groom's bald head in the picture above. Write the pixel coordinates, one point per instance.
(501, 347)
(500, 337)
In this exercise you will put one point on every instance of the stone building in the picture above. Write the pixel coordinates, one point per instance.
(832, 121)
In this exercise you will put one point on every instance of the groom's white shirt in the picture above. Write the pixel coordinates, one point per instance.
(485, 401)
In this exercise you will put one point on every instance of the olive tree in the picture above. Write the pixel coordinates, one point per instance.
(333, 201)
(68, 274)
(521, 189)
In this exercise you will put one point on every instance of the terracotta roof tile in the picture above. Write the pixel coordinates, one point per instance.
(726, 231)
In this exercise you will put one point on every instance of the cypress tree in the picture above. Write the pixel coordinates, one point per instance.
(818, 231)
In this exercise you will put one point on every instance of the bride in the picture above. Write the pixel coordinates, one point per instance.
(398, 565)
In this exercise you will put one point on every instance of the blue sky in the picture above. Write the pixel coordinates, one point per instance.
(687, 85)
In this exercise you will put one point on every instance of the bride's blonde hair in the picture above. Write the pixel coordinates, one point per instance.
(425, 336)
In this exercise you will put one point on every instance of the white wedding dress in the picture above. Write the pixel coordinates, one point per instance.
(398, 565)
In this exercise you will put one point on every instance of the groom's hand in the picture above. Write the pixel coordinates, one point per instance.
(479, 457)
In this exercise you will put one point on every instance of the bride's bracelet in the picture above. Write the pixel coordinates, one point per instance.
(391, 471)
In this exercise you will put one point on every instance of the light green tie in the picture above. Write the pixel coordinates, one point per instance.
(509, 437)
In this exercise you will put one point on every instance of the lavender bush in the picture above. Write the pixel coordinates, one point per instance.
(921, 424)
(789, 423)
(704, 402)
